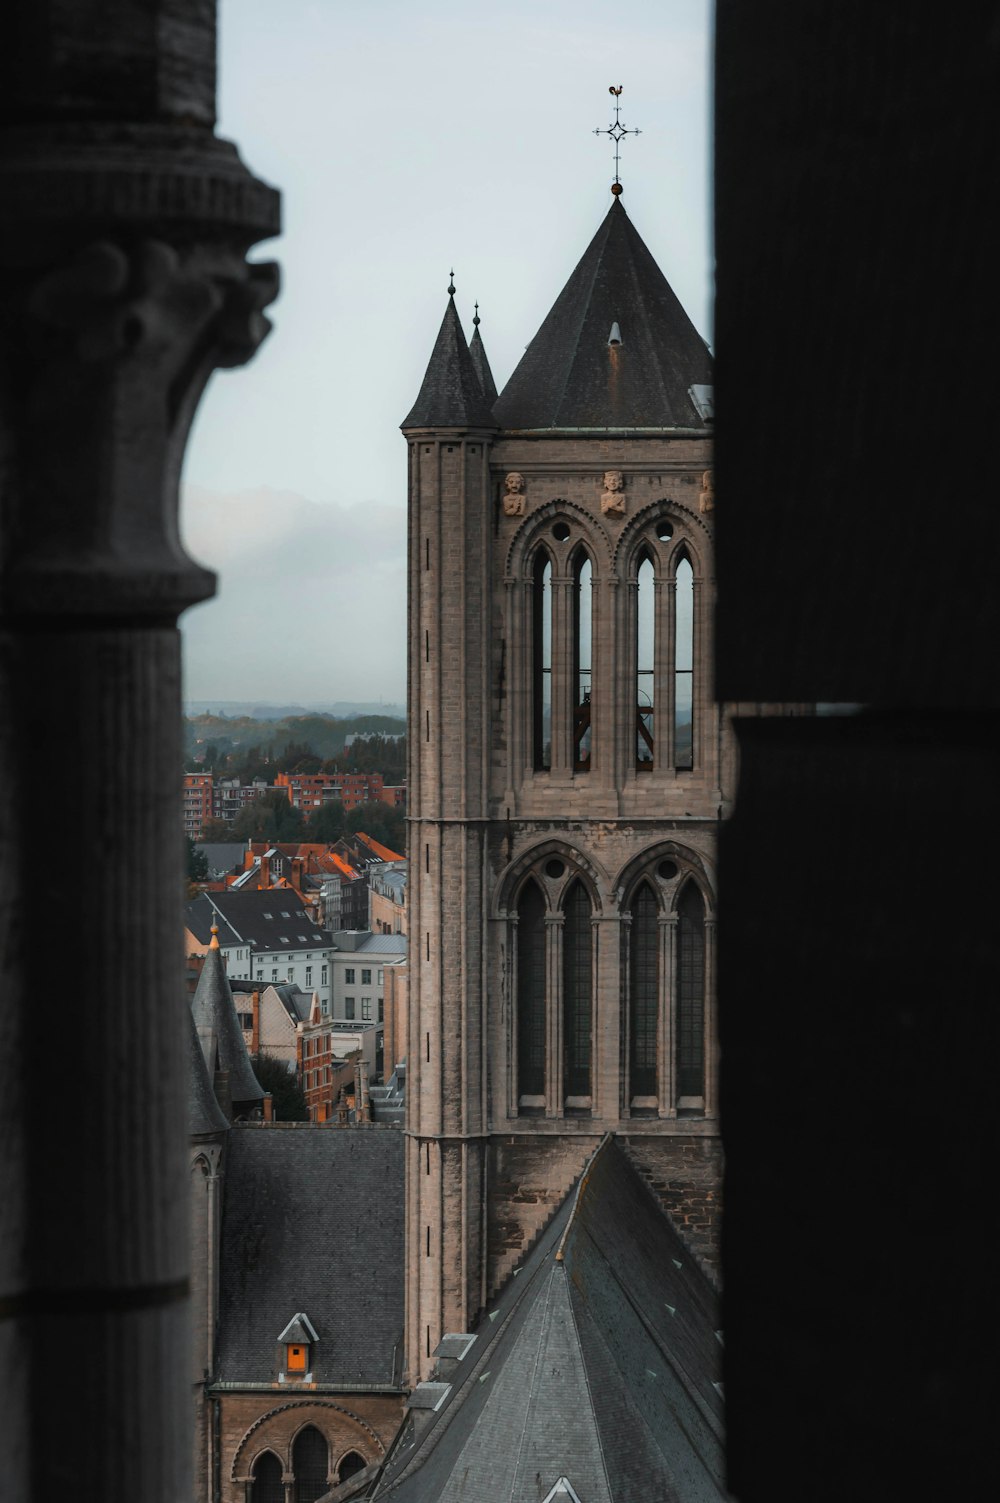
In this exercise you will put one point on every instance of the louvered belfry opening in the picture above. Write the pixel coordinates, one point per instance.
(310, 1463)
(577, 967)
(583, 574)
(691, 992)
(267, 1486)
(531, 992)
(542, 661)
(644, 986)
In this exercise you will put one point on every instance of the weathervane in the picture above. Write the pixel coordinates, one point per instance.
(616, 130)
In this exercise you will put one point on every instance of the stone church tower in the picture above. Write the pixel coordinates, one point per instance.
(568, 771)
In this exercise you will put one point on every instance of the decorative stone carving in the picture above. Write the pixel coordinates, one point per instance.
(613, 495)
(514, 497)
(706, 500)
(117, 345)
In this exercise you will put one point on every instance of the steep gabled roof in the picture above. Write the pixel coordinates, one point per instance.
(451, 395)
(570, 376)
(595, 1370)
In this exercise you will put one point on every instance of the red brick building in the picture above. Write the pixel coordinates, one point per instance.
(197, 802)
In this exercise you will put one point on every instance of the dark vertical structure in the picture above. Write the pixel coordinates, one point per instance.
(856, 148)
(124, 223)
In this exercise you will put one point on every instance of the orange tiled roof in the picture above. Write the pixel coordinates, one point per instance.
(377, 849)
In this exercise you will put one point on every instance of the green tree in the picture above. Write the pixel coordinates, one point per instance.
(327, 823)
(275, 1077)
(270, 817)
(213, 831)
(382, 822)
(197, 861)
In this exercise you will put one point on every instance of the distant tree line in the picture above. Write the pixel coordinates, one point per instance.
(248, 748)
(273, 818)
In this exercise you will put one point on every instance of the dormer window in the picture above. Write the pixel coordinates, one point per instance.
(296, 1350)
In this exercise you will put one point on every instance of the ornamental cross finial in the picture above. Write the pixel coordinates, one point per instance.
(616, 130)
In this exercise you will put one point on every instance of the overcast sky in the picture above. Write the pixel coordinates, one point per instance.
(407, 140)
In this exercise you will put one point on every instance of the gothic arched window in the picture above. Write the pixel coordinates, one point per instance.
(266, 1485)
(644, 992)
(645, 650)
(583, 574)
(531, 995)
(691, 992)
(541, 650)
(310, 1463)
(577, 991)
(684, 665)
(351, 1464)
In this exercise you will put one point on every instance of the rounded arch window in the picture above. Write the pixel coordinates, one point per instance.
(664, 530)
(560, 531)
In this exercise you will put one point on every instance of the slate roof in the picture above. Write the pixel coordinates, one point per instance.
(215, 1012)
(570, 377)
(451, 395)
(270, 919)
(597, 1365)
(313, 1223)
(223, 857)
(205, 1115)
(478, 352)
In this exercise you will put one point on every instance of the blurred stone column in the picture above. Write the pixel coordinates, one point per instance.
(124, 225)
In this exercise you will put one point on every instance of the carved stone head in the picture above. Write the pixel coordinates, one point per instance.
(513, 500)
(613, 494)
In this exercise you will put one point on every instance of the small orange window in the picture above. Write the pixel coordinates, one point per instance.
(296, 1359)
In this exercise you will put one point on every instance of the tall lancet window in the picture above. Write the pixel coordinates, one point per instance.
(645, 645)
(531, 996)
(684, 666)
(583, 574)
(577, 965)
(691, 993)
(266, 1485)
(542, 660)
(310, 1463)
(644, 993)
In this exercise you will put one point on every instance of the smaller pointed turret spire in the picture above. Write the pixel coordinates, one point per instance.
(478, 352)
(215, 1013)
(451, 395)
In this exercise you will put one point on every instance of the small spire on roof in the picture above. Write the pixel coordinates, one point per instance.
(475, 316)
(213, 943)
(451, 284)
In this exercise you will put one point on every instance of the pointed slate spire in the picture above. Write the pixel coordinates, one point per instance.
(215, 1012)
(205, 1116)
(478, 352)
(451, 395)
(574, 375)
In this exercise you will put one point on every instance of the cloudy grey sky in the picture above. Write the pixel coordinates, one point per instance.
(407, 139)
